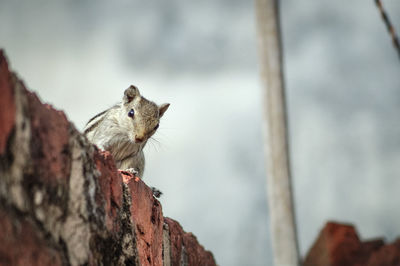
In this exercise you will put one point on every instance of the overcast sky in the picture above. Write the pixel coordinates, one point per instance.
(343, 89)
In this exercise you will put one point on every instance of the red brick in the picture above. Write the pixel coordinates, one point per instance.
(21, 244)
(110, 182)
(196, 254)
(180, 242)
(7, 103)
(49, 141)
(126, 177)
(176, 240)
(339, 244)
(336, 245)
(146, 216)
(388, 255)
(25, 241)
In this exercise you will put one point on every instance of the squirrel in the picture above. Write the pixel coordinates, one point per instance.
(125, 128)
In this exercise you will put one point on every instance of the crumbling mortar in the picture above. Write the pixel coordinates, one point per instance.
(127, 233)
(96, 214)
(63, 247)
(166, 246)
(15, 160)
(106, 248)
(184, 257)
(118, 249)
(19, 151)
(51, 209)
(75, 231)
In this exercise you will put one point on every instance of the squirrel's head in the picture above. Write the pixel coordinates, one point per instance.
(142, 115)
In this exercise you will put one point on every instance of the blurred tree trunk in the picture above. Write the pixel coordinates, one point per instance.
(283, 229)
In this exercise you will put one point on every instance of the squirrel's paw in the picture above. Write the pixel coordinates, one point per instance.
(156, 193)
(132, 171)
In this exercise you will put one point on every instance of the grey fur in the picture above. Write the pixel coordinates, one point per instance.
(125, 137)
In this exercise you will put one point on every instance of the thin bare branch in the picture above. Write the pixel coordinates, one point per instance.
(389, 26)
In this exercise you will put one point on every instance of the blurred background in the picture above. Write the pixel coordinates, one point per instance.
(343, 88)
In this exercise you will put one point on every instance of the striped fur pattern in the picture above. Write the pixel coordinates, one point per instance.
(124, 136)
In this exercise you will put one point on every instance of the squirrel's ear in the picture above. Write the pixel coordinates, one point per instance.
(162, 108)
(130, 93)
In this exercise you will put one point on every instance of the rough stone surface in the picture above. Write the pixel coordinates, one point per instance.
(110, 183)
(7, 103)
(22, 243)
(175, 240)
(148, 220)
(388, 255)
(339, 244)
(50, 140)
(185, 250)
(63, 202)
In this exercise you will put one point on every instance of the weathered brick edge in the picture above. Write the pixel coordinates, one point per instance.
(339, 245)
(63, 202)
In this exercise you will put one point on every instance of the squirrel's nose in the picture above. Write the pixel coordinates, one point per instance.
(138, 139)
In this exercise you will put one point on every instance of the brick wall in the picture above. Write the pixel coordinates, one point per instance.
(63, 202)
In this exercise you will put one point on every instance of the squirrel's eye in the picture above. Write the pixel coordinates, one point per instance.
(155, 128)
(131, 113)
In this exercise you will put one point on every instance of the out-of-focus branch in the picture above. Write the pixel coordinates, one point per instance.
(389, 26)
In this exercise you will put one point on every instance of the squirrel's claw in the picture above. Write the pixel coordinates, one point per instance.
(156, 193)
